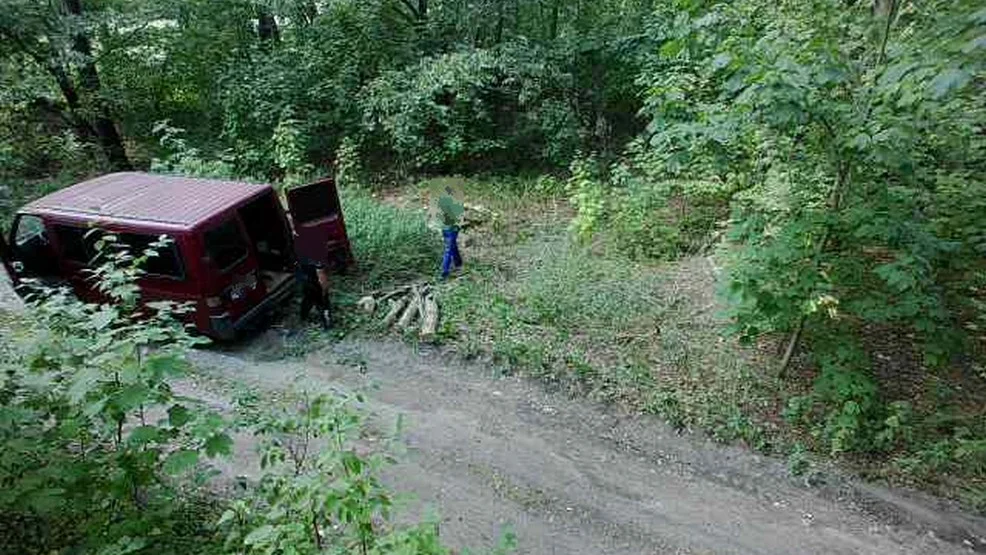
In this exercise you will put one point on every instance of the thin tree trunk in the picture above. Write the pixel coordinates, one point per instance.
(82, 127)
(500, 15)
(102, 122)
(555, 9)
(834, 204)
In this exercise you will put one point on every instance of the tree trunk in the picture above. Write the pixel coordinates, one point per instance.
(102, 122)
(500, 15)
(412, 310)
(83, 128)
(395, 310)
(555, 8)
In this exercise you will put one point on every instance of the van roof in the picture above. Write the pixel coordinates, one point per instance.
(182, 202)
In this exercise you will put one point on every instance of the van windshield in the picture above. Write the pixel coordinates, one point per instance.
(225, 244)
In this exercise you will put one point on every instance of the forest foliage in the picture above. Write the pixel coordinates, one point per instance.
(101, 454)
(831, 153)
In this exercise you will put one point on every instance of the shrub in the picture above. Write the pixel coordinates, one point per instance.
(475, 108)
(842, 146)
(99, 455)
(316, 491)
(94, 441)
(588, 196)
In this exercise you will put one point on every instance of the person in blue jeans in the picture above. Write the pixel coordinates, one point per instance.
(451, 212)
(451, 257)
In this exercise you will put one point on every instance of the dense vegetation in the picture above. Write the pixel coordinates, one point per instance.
(102, 455)
(829, 154)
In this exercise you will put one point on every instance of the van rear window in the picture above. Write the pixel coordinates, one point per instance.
(225, 244)
(313, 202)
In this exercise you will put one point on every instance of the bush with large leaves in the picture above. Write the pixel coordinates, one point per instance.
(92, 433)
(851, 137)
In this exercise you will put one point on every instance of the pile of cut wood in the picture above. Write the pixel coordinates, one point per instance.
(406, 307)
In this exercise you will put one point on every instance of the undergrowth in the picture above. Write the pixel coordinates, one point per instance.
(607, 328)
(391, 245)
(583, 316)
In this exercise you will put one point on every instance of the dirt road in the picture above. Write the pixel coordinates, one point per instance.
(572, 477)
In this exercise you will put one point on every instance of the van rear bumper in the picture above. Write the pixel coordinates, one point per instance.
(223, 327)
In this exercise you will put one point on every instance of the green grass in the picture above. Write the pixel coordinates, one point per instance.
(608, 328)
(391, 245)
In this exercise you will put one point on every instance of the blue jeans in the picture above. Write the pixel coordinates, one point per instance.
(451, 256)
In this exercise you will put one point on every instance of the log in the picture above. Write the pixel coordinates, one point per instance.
(429, 318)
(413, 307)
(395, 310)
(396, 292)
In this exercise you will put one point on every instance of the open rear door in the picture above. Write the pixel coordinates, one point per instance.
(319, 228)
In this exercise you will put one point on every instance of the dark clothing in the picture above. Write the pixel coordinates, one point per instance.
(312, 295)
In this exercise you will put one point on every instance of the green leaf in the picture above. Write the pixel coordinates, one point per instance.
(83, 382)
(167, 365)
(100, 320)
(671, 48)
(142, 435)
(178, 416)
(219, 444)
(133, 396)
(95, 407)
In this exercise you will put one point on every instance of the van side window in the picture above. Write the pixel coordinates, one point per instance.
(74, 243)
(79, 245)
(225, 244)
(167, 263)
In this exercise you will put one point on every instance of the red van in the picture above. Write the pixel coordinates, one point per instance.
(233, 245)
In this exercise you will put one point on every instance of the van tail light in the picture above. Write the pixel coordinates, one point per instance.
(213, 302)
